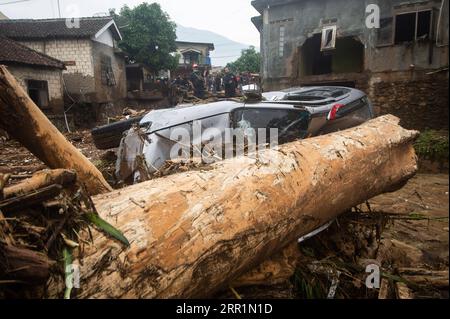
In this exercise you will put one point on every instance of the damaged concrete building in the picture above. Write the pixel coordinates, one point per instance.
(400, 59)
(95, 75)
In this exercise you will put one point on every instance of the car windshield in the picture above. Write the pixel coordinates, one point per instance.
(291, 124)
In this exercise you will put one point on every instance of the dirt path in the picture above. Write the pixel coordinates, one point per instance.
(17, 160)
(425, 196)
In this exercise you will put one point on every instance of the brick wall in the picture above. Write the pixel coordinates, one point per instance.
(419, 99)
(77, 50)
(53, 78)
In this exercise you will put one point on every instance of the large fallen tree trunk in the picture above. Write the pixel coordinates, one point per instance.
(192, 234)
(24, 121)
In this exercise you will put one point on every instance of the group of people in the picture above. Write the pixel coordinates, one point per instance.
(202, 82)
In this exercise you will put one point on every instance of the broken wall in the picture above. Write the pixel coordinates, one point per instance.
(107, 93)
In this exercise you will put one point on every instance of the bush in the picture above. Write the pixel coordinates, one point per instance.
(433, 145)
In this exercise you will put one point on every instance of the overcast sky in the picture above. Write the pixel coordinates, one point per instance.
(230, 18)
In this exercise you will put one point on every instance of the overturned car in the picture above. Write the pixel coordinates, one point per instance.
(214, 131)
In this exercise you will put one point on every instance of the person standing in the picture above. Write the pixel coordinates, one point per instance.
(198, 82)
(218, 82)
(229, 81)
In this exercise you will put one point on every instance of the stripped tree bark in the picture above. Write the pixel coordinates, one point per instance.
(194, 233)
(26, 123)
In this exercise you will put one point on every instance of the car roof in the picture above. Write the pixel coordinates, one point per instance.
(165, 118)
(310, 88)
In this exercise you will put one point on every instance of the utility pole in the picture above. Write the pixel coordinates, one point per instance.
(59, 9)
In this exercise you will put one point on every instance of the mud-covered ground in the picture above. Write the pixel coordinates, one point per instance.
(412, 230)
(405, 233)
(18, 161)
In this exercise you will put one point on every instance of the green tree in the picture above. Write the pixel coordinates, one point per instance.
(249, 61)
(148, 35)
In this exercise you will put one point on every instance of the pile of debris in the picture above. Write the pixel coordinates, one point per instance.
(191, 233)
(40, 221)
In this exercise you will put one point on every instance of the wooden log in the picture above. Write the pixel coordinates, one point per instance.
(39, 180)
(30, 199)
(26, 123)
(402, 291)
(426, 277)
(23, 265)
(194, 233)
(384, 289)
(22, 168)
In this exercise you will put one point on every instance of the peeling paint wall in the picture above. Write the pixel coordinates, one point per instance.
(109, 93)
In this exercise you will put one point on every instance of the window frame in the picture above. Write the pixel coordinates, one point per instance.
(107, 71)
(333, 29)
(416, 12)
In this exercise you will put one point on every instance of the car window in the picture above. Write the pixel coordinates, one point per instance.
(316, 94)
(291, 124)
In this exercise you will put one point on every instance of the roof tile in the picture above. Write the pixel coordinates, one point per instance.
(29, 29)
(12, 52)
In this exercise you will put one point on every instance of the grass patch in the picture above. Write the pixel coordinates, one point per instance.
(433, 145)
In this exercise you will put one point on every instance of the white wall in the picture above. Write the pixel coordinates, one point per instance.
(105, 38)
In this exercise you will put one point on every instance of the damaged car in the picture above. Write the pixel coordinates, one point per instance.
(296, 113)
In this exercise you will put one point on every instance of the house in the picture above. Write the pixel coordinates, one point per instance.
(95, 67)
(38, 74)
(191, 53)
(400, 60)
